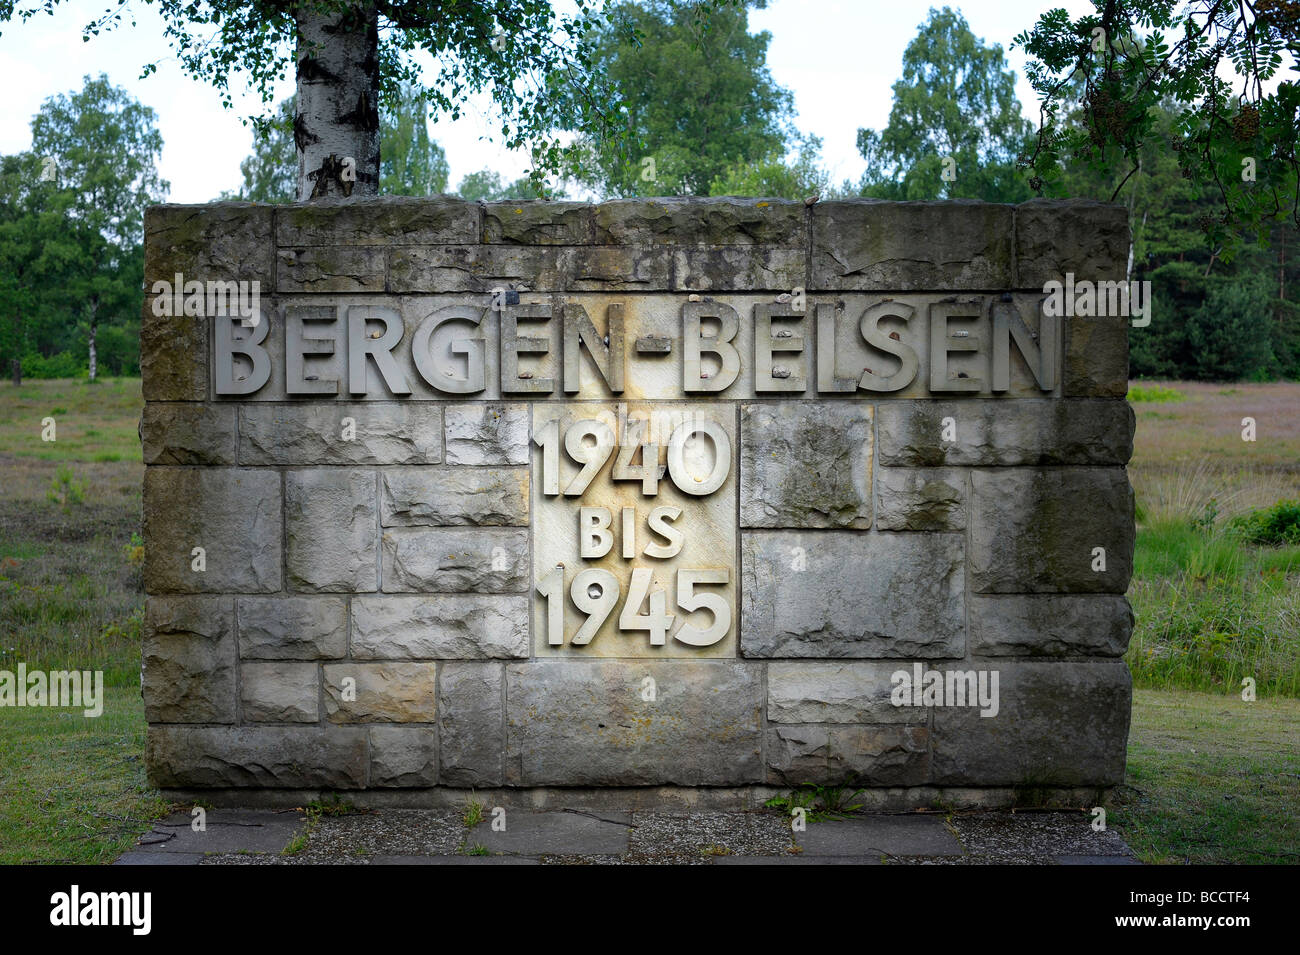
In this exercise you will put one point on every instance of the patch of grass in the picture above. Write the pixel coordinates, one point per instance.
(332, 806)
(1211, 779)
(69, 592)
(476, 850)
(1279, 524)
(90, 421)
(819, 802)
(1153, 393)
(473, 813)
(72, 788)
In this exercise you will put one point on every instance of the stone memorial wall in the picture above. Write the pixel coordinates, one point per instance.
(711, 497)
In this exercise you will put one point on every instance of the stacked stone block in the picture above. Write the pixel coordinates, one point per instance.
(362, 619)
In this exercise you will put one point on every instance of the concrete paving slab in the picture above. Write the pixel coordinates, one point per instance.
(879, 835)
(454, 860)
(226, 830)
(547, 833)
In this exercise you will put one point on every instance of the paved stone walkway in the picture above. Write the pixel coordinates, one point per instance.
(579, 837)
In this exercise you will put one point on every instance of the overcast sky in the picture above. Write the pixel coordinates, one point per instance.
(838, 57)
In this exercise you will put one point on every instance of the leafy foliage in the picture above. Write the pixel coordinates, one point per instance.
(955, 128)
(1117, 67)
(697, 103)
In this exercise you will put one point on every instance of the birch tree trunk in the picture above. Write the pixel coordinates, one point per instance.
(336, 129)
(94, 329)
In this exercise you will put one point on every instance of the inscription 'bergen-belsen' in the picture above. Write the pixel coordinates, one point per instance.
(634, 528)
(449, 348)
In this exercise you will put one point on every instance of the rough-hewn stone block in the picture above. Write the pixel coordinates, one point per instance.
(330, 529)
(232, 513)
(455, 560)
(616, 268)
(531, 222)
(1062, 724)
(218, 241)
(739, 266)
(1000, 432)
(1082, 236)
(867, 244)
(840, 594)
(442, 497)
(313, 434)
(403, 757)
(487, 433)
(187, 433)
(1037, 531)
(579, 723)
(848, 755)
(815, 691)
(1096, 357)
(471, 724)
(189, 660)
(1050, 625)
(274, 757)
(331, 269)
(382, 221)
(929, 499)
(440, 627)
(281, 691)
(476, 268)
(380, 692)
(292, 628)
(700, 222)
(805, 464)
(173, 357)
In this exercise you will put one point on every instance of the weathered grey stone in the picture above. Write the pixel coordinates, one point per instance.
(805, 464)
(331, 269)
(835, 692)
(173, 356)
(848, 755)
(476, 268)
(471, 724)
(1036, 531)
(380, 221)
(274, 757)
(440, 627)
(532, 222)
(1050, 625)
(282, 691)
(843, 594)
(312, 434)
(617, 268)
(700, 222)
(1063, 724)
(188, 433)
(455, 560)
(920, 500)
(292, 628)
(1082, 236)
(441, 497)
(867, 244)
(380, 692)
(232, 513)
(739, 266)
(1096, 357)
(189, 660)
(330, 529)
(487, 433)
(403, 757)
(1004, 432)
(580, 723)
(217, 241)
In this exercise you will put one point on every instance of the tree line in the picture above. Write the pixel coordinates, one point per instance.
(698, 113)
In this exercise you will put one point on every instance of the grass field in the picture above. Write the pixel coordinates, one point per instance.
(1211, 778)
